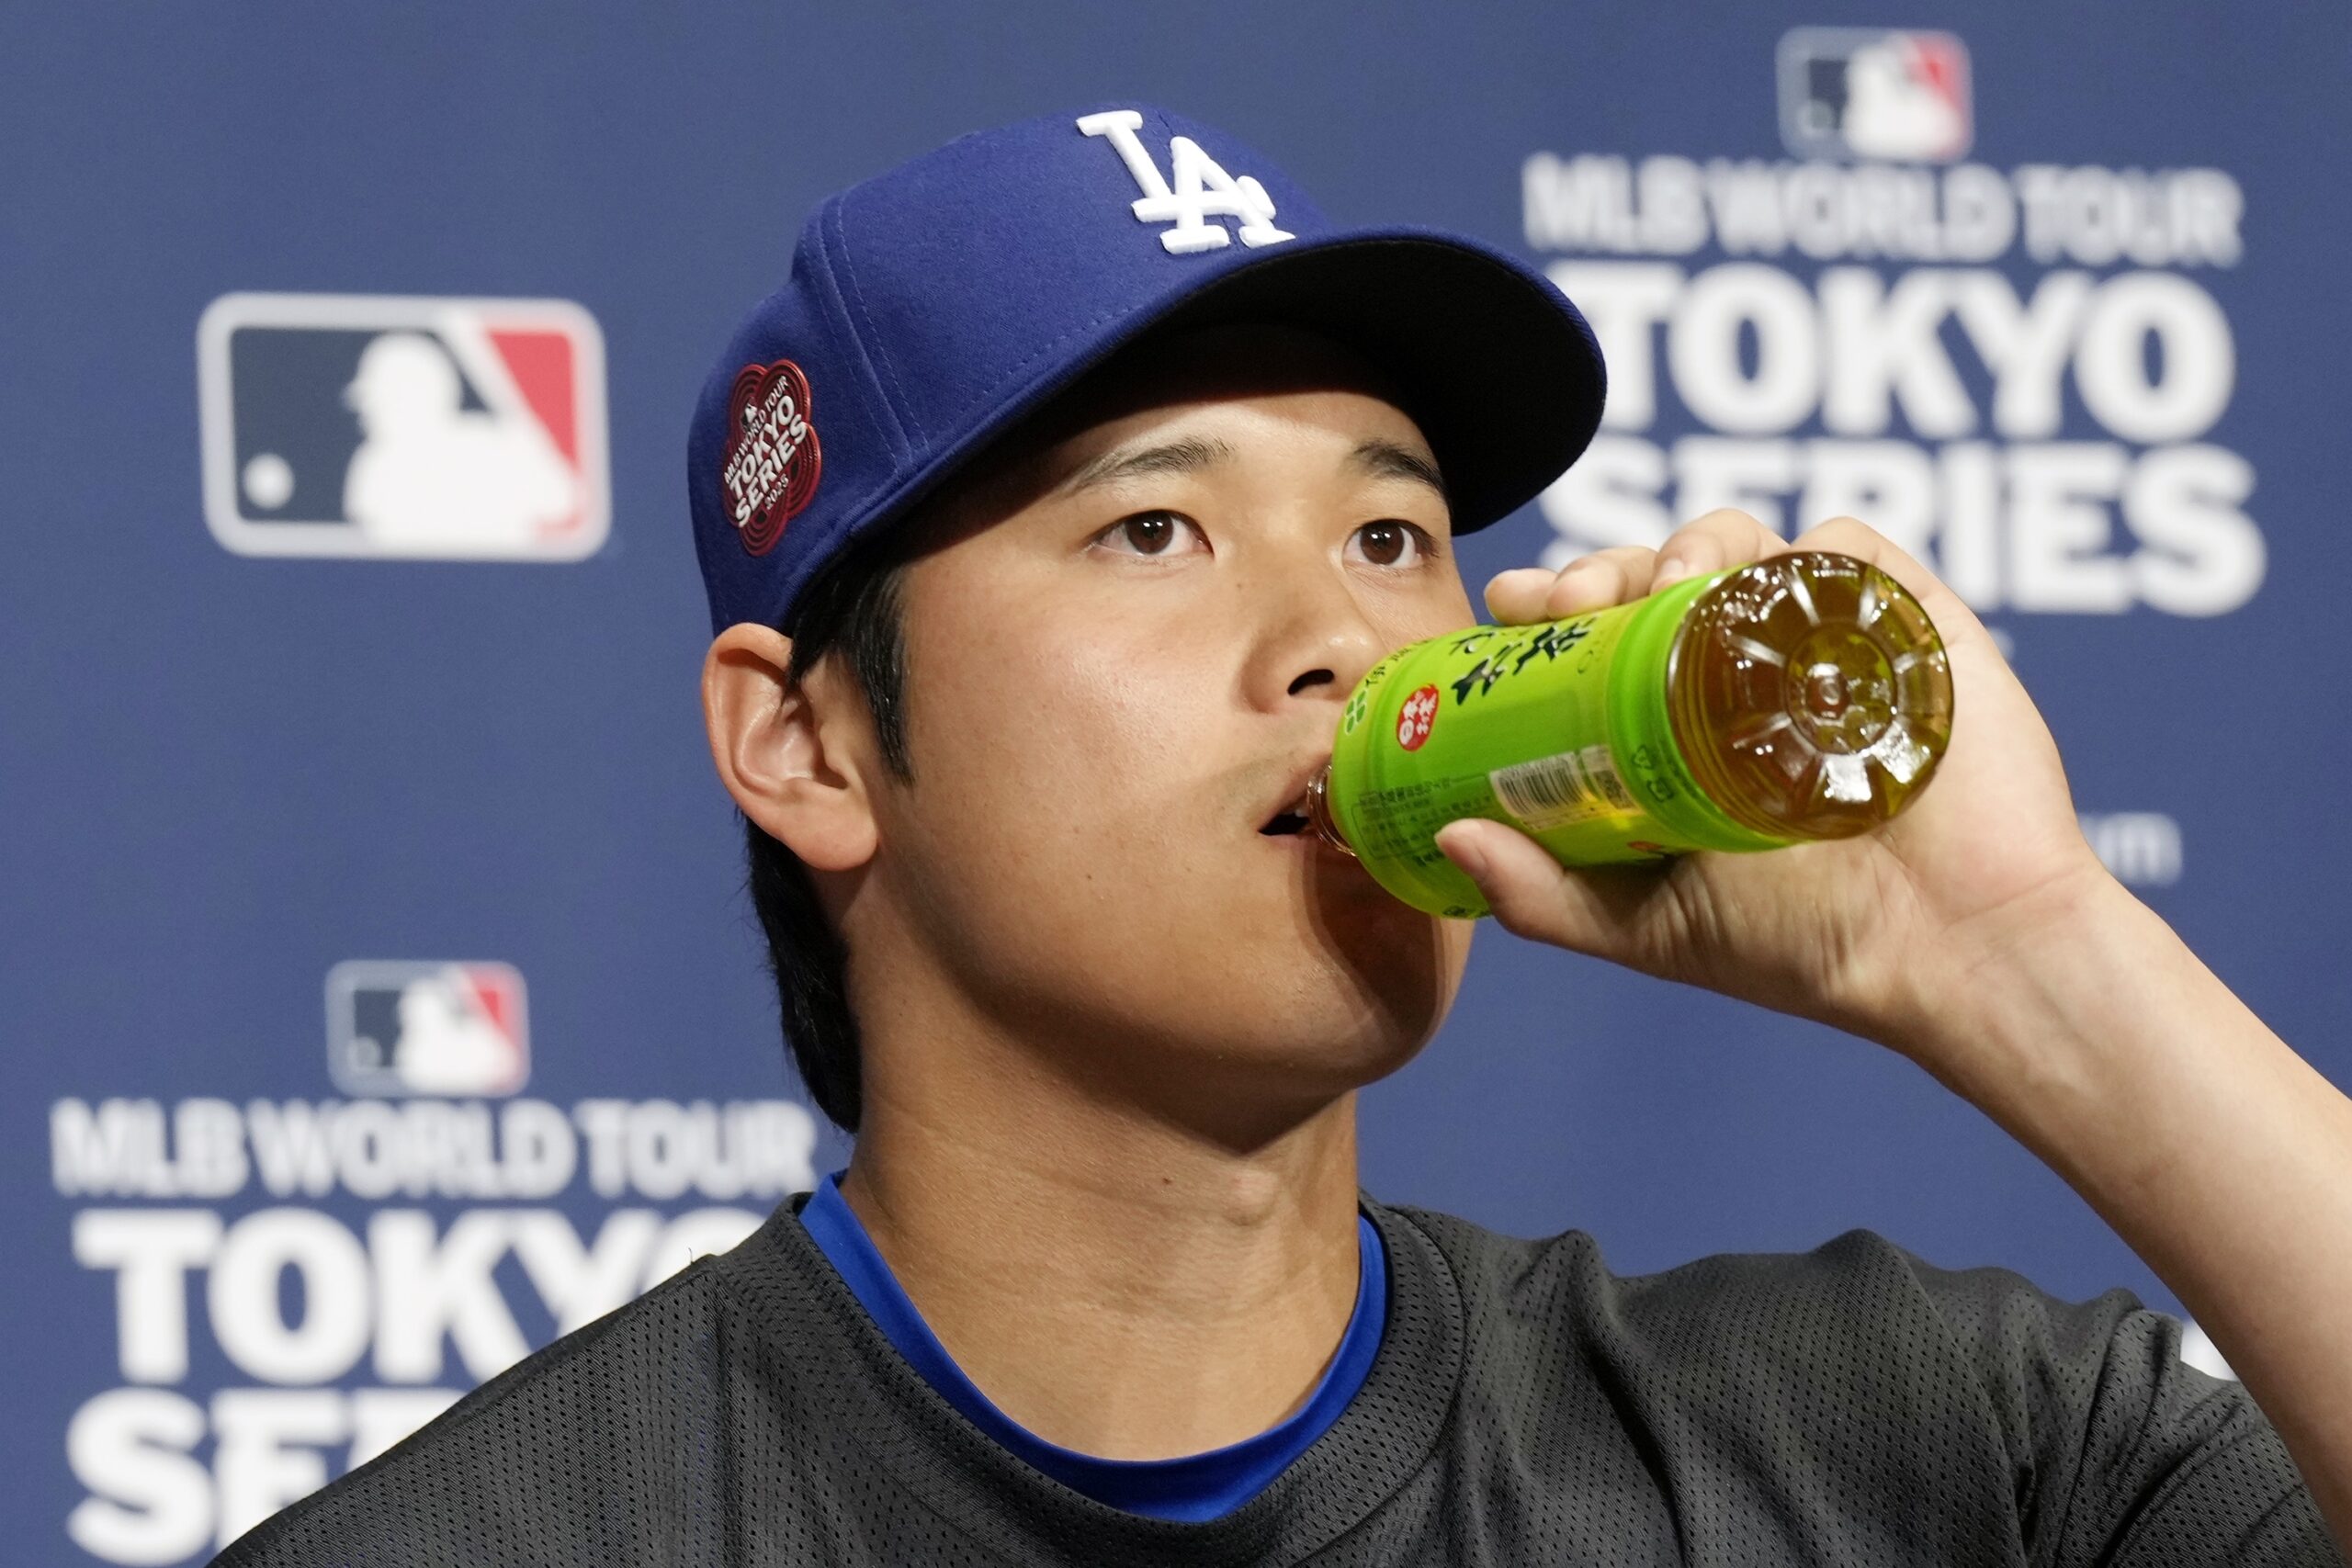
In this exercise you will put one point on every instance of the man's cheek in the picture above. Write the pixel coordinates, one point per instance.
(1131, 734)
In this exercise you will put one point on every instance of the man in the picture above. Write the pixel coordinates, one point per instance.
(1045, 532)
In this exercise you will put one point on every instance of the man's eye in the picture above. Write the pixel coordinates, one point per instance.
(1152, 534)
(1391, 543)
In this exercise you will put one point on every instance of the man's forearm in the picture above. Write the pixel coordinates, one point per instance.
(2222, 1158)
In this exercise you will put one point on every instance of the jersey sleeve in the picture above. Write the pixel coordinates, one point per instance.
(2123, 1453)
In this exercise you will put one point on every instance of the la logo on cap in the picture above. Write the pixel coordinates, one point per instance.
(1202, 189)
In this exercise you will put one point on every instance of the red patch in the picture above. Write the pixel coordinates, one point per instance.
(771, 463)
(1417, 718)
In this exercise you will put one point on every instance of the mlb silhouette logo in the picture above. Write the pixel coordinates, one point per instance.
(1875, 93)
(416, 428)
(397, 1028)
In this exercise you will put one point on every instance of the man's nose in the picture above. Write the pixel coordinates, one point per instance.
(1315, 640)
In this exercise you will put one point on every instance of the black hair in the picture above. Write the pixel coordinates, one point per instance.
(850, 612)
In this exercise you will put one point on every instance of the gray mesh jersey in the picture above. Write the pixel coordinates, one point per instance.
(1847, 1405)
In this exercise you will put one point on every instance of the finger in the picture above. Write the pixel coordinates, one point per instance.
(1532, 894)
(1625, 572)
(1517, 595)
(1590, 582)
(1613, 576)
(1709, 544)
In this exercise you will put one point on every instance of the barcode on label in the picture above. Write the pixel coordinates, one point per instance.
(1551, 791)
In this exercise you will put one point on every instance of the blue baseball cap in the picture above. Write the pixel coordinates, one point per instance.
(931, 308)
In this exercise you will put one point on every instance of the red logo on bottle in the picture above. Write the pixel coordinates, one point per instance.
(1417, 718)
(773, 461)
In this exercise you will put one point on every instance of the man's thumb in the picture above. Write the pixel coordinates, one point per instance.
(1532, 896)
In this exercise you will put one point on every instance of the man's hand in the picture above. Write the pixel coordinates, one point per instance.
(1870, 933)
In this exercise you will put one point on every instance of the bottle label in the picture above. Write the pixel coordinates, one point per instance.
(1553, 792)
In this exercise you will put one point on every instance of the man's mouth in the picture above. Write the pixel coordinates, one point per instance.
(1295, 817)
(1293, 810)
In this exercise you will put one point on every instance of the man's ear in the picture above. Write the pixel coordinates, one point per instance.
(790, 755)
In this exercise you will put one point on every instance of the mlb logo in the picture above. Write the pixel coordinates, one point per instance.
(416, 428)
(397, 1028)
(1875, 93)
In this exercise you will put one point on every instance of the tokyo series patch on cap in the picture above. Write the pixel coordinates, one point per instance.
(773, 459)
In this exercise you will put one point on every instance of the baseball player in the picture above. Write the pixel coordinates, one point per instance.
(1049, 511)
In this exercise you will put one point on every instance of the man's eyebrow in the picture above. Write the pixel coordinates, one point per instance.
(1386, 459)
(1377, 458)
(1182, 457)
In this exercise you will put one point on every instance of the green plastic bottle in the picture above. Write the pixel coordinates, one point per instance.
(1803, 697)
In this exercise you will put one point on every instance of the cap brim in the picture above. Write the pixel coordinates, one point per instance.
(1499, 369)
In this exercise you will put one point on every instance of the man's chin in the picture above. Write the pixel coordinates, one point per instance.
(1252, 1090)
(1341, 1031)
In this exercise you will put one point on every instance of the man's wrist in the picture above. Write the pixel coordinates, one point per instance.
(2030, 993)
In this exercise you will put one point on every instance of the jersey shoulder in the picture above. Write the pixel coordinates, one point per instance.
(1857, 1293)
(1861, 1366)
(1858, 1310)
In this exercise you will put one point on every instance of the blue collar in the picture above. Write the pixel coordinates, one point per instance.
(1194, 1487)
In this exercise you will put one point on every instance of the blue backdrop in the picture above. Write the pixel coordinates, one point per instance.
(378, 991)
